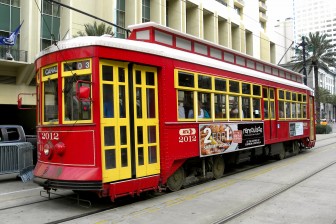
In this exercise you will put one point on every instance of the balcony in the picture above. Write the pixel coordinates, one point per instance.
(262, 6)
(239, 3)
(262, 17)
(222, 2)
(13, 54)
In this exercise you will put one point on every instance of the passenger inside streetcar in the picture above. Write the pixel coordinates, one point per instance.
(202, 113)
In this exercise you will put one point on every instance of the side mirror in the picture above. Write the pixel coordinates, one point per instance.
(30, 101)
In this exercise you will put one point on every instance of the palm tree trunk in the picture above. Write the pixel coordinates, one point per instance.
(317, 94)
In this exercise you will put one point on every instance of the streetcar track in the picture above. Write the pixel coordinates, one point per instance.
(31, 203)
(179, 200)
(270, 196)
(223, 220)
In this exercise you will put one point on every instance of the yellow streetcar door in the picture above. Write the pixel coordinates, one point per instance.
(129, 121)
(146, 121)
(115, 122)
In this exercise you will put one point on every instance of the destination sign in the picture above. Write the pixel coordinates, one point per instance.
(77, 65)
(50, 71)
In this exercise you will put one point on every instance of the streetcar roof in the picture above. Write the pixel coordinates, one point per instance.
(160, 50)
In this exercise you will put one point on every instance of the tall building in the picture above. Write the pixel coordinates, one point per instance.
(313, 16)
(236, 24)
(317, 16)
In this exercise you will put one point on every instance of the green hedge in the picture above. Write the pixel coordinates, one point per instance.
(323, 129)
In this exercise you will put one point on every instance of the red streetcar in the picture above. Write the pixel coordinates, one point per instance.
(120, 117)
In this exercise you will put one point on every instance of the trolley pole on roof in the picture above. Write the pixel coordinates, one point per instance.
(303, 45)
(87, 14)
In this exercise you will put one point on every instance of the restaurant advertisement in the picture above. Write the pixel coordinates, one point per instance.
(219, 138)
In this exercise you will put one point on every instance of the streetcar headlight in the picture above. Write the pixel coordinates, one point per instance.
(47, 149)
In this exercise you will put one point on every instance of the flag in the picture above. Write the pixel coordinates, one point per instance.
(12, 38)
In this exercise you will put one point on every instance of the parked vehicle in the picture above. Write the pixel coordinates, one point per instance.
(324, 122)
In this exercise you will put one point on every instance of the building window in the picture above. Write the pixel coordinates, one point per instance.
(10, 20)
(121, 18)
(50, 24)
(145, 11)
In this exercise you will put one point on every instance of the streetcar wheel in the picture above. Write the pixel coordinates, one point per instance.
(296, 148)
(218, 167)
(175, 181)
(281, 154)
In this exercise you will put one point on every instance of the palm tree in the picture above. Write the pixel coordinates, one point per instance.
(319, 55)
(95, 30)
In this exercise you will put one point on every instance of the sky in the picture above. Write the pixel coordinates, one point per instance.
(279, 10)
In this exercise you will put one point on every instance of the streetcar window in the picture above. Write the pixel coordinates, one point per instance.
(151, 134)
(150, 96)
(124, 157)
(185, 103)
(109, 136)
(256, 90)
(246, 107)
(266, 109)
(220, 106)
(281, 94)
(150, 78)
(74, 108)
(121, 73)
(304, 110)
(183, 43)
(234, 87)
(138, 102)
(204, 82)
(240, 61)
(256, 108)
(50, 100)
(304, 98)
(234, 107)
(186, 79)
(250, 64)
(299, 109)
(107, 72)
(271, 93)
(272, 108)
(294, 110)
(141, 156)
(260, 67)
(281, 109)
(265, 92)
(288, 95)
(140, 135)
(288, 109)
(220, 84)
(110, 159)
(122, 102)
(294, 96)
(138, 77)
(300, 97)
(204, 105)
(108, 101)
(228, 57)
(123, 135)
(152, 154)
(246, 87)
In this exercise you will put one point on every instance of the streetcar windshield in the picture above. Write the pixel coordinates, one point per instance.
(50, 101)
(74, 107)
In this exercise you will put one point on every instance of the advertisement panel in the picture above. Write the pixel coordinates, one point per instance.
(295, 128)
(219, 138)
